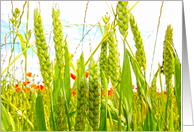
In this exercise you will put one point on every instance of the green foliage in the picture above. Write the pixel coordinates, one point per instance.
(40, 115)
(7, 123)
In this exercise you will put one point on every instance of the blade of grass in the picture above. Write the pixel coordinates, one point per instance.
(66, 85)
(67, 74)
(56, 88)
(7, 123)
(103, 125)
(126, 89)
(52, 117)
(177, 81)
(140, 80)
(103, 118)
(133, 6)
(156, 39)
(146, 126)
(40, 113)
(171, 117)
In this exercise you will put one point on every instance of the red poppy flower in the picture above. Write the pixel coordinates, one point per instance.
(29, 74)
(133, 86)
(70, 89)
(110, 92)
(18, 89)
(86, 74)
(42, 81)
(37, 87)
(28, 88)
(16, 86)
(41, 87)
(74, 92)
(33, 86)
(102, 92)
(73, 76)
(136, 88)
(24, 83)
(165, 92)
(28, 82)
(174, 100)
(165, 96)
(24, 90)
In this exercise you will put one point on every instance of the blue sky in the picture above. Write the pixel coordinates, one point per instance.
(146, 15)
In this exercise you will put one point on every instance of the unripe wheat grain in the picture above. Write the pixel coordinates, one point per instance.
(140, 53)
(94, 95)
(43, 54)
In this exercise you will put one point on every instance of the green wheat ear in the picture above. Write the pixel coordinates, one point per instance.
(42, 48)
(94, 95)
(58, 39)
(103, 54)
(140, 52)
(80, 119)
(168, 67)
(167, 56)
(61, 116)
(123, 16)
(114, 58)
(153, 94)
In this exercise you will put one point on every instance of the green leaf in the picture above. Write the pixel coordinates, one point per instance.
(171, 117)
(52, 117)
(22, 42)
(22, 45)
(40, 113)
(82, 64)
(67, 76)
(142, 85)
(154, 123)
(146, 126)
(51, 123)
(7, 123)
(103, 120)
(72, 114)
(126, 89)
(66, 85)
(177, 79)
(103, 116)
(56, 88)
